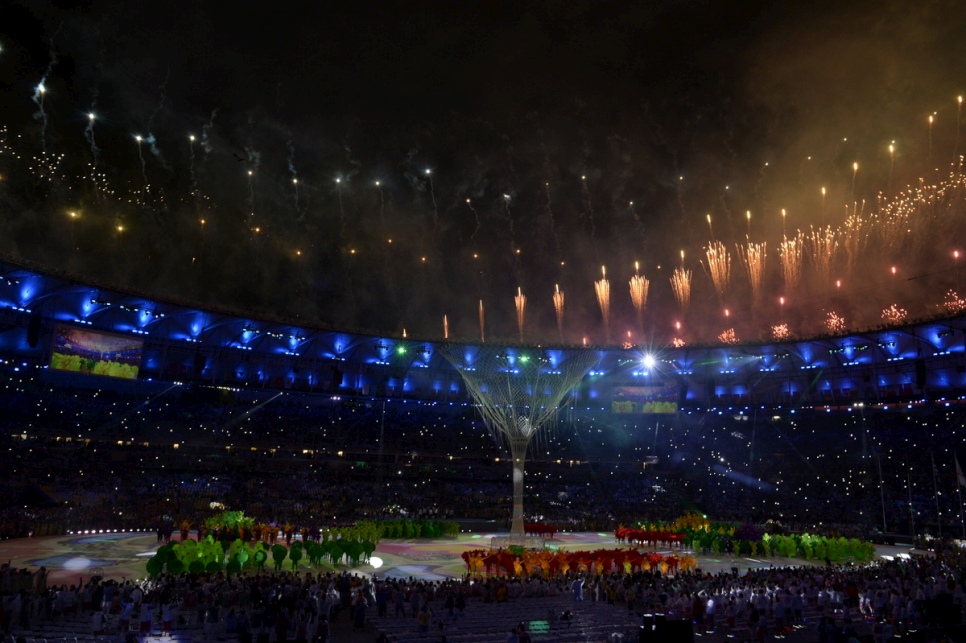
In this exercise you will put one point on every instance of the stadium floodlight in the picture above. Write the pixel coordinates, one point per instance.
(649, 362)
(517, 397)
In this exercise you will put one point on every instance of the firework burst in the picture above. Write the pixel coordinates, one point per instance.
(855, 236)
(728, 337)
(894, 315)
(822, 244)
(790, 253)
(719, 266)
(681, 285)
(752, 257)
(520, 300)
(953, 303)
(603, 298)
(834, 323)
(558, 307)
(639, 288)
(780, 332)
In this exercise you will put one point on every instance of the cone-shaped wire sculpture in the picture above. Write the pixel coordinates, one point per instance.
(518, 394)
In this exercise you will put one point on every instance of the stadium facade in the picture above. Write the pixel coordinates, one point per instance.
(171, 341)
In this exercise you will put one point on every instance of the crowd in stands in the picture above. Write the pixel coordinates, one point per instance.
(103, 459)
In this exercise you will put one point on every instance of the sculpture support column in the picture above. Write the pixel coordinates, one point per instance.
(518, 451)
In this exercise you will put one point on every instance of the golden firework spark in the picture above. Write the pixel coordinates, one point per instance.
(855, 235)
(894, 315)
(681, 285)
(780, 332)
(953, 303)
(752, 257)
(719, 266)
(445, 327)
(677, 342)
(603, 298)
(790, 252)
(834, 322)
(558, 306)
(728, 337)
(521, 303)
(822, 245)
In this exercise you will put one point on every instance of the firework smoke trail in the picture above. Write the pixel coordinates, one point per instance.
(338, 184)
(476, 216)
(553, 225)
(153, 147)
(251, 193)
(39, 92)
(752, 257)
(432, 196)
(520, 301)
(892, 165)
(638, 224)
(162, 97)
(482, 324)
(761, 178)
(790, 254)
(41, 89)
(89, 134)
(191, 170)
(681, 286)
(588, 202)
(513, 235)
(724, 202)
(558, 307)
(144, 168)
(719, 266)
(293, 172)
(822, 245)
(95, 151)
(382, 209)
(255, 160)
(206, 132)
(639, 286)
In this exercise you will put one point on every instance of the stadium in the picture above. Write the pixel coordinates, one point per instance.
(283, 420)
(601, 329)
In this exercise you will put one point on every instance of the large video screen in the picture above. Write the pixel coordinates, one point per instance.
(79, 350)
(644, 399)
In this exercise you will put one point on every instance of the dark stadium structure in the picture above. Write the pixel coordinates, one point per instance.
(917, 362)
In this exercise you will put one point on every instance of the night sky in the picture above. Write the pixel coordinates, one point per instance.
(515, 145)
